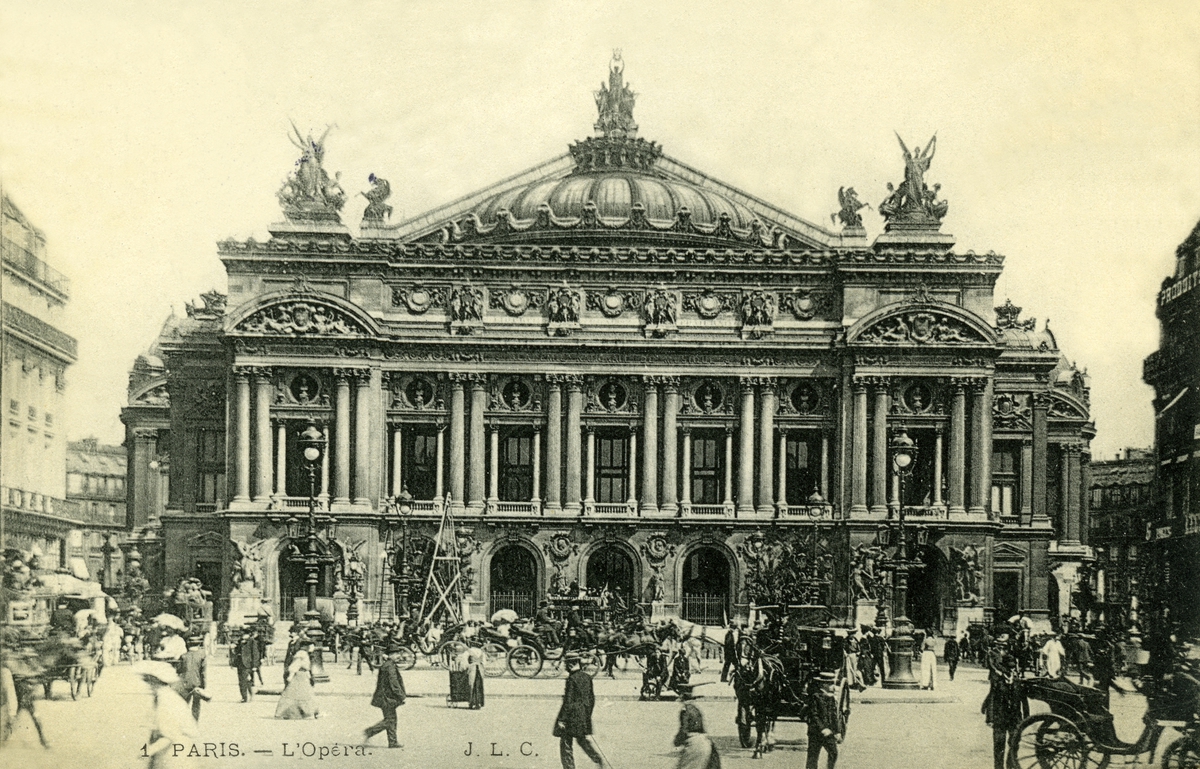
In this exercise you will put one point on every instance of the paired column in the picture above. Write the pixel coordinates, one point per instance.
(1040, 449)
(262, 434)
(781, 498)
(1026, 485)
(341, 472)
(937, 467)
(1071, 495)
(745, 501)
(281, 458)
(685, 500)
(727, 502)
(589, 497)
(440, 475)
(323, 497)
(397, 460)
(362, 438)
(766, 447)
(649, 501)
(879, 448)
(670, 479)
(458, 447)
(825, 465)
(475, 487)
(958, 446)
(981, 449)
(574, 443)
(858, 449)
(241, 391)
(554, 443)
(537, 468)
(494, 467)
(633, 457)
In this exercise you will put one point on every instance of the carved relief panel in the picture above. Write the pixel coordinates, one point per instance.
(414, 392)
(611, 395)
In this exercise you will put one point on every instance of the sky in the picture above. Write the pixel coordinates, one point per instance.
(138, 134)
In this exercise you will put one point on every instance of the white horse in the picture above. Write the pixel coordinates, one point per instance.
(692, 637)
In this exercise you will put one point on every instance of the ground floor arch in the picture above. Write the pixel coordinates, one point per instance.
(613, 567)
(928, 588)
(706, 586)
(513, 580)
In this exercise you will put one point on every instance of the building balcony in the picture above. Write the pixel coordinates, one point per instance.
(28, 265)
(815, 512)
(1191, 524)
(611, 509)
(707, 511)
(495, 507)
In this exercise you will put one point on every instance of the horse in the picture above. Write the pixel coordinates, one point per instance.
(758, 682)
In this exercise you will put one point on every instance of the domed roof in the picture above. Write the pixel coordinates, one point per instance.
(614, 193)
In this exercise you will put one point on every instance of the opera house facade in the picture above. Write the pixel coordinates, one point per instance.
(616, 371)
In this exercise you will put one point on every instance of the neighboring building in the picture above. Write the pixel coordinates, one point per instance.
(36, 354)
(96, 486)
(617, 370)
(1174, 372)
(1122, 503)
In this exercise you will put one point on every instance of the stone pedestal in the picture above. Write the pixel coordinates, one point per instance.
(245, 604)
(967, 616)
(865, 612)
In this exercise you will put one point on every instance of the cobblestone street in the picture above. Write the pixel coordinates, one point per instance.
(909, 729)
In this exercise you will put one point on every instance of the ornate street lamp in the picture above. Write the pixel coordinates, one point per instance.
(306, 547)
(401, 573)
(900, 644)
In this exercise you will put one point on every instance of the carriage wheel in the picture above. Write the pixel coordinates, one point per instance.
(1047, 741)
(75, 680)
(1183, 754)
(525, 661)
(408, 658)
(449, 650)
(494, 659)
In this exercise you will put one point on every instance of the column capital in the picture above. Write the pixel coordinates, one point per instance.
(145, 433)
(685, 429)
(670, 384)
(975, 384)
(747, 383)
(346, 374)
(574, 382)
(457, 379)
(261, 374)
(1072, 449)
(859, 384)
(243, 372)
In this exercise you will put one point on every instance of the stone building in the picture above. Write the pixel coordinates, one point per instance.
(1173, 370)
(1122, 505)
(36, 355)
(96, 489)
(618, 371)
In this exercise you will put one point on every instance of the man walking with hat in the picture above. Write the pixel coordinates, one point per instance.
(574, 721)
(822, 721)
(193, 675)
(1005, 706)
(389, 695)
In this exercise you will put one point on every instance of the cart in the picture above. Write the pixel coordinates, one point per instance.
(1078, 731)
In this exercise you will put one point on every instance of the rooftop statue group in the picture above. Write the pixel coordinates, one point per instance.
(309, 194)
(913, 203)
(615, 101)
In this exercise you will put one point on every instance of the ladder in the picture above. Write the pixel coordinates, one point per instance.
(443, 594)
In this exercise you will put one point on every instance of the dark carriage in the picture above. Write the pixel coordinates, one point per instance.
(777, 665)
(1078, 731)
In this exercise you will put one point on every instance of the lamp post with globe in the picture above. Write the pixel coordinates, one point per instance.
(307, 550)
(401, 576)
(900, 644)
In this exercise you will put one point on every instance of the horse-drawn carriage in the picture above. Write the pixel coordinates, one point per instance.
(1078, 729)
(778, 666)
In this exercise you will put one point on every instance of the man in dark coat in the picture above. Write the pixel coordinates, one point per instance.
(389, 695)
(193, 674)
(951, 653)
(574, 721)
(878, 652)
(732, 634)
(821, 718)
(246, 658)
(1005, 706)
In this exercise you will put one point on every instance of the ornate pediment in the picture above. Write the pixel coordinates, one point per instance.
(1006, 551)
(922, 324)
(301, 318)
(1065, 407)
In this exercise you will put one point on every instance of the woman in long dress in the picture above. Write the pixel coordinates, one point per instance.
(298, 699)
(928, 665)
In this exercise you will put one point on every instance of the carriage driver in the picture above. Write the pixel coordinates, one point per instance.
(543, 625)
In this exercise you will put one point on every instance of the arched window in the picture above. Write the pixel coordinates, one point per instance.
(706, 587)
(610, 566)
(513, 581)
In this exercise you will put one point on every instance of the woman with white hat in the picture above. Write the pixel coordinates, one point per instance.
(173, 722)
(298, 699)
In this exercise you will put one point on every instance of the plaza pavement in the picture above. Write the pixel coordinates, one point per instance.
(943, 728)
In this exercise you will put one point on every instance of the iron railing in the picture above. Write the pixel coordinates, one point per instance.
(522, 603)
(705, 608)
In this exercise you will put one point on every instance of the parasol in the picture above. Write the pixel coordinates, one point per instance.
(170, 620)
(504, 615)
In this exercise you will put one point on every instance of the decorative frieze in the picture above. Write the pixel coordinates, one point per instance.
(758, 309)
(807, 303)
(466, 309)
(517, 300)
(708, 303)
(419, 299)
(563, 306)
(660, 312)
(614, 301)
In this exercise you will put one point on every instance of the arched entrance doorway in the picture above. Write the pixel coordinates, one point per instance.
(705, 587)
(610, 566)
(293, 580)
(926, 587)
(513, 582)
